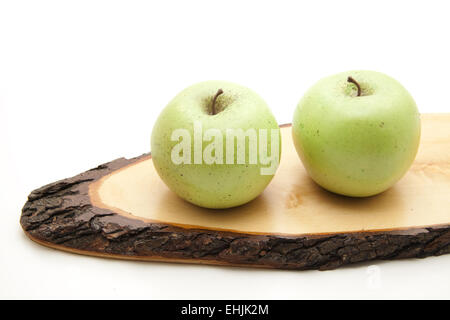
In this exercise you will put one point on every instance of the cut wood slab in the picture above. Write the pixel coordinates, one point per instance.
(122, 209)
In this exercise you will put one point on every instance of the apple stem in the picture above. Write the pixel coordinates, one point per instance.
(213, 108)
(351, 80)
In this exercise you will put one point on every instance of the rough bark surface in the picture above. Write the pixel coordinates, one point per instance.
(61, 215)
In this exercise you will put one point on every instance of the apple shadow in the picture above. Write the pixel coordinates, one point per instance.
(373, 207)
(296, 200)
(193, 215)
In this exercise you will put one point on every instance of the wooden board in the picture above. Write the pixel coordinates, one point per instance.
(122, 209)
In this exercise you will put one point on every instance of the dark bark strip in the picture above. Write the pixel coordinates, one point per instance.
(62, 214)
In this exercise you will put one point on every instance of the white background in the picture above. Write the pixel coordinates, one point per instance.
(82, 82)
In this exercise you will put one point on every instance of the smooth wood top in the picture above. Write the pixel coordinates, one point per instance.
(293, 203)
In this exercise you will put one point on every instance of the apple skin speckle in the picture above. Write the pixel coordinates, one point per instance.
(212, 186)
(378, 131)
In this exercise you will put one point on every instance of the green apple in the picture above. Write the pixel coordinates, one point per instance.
(356, 132)
(216, 144)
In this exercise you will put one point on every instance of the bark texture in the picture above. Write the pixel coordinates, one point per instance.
(61, 215)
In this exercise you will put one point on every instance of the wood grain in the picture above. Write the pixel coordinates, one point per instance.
(121, 209)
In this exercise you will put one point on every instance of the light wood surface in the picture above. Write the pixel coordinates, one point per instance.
(293, 204)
